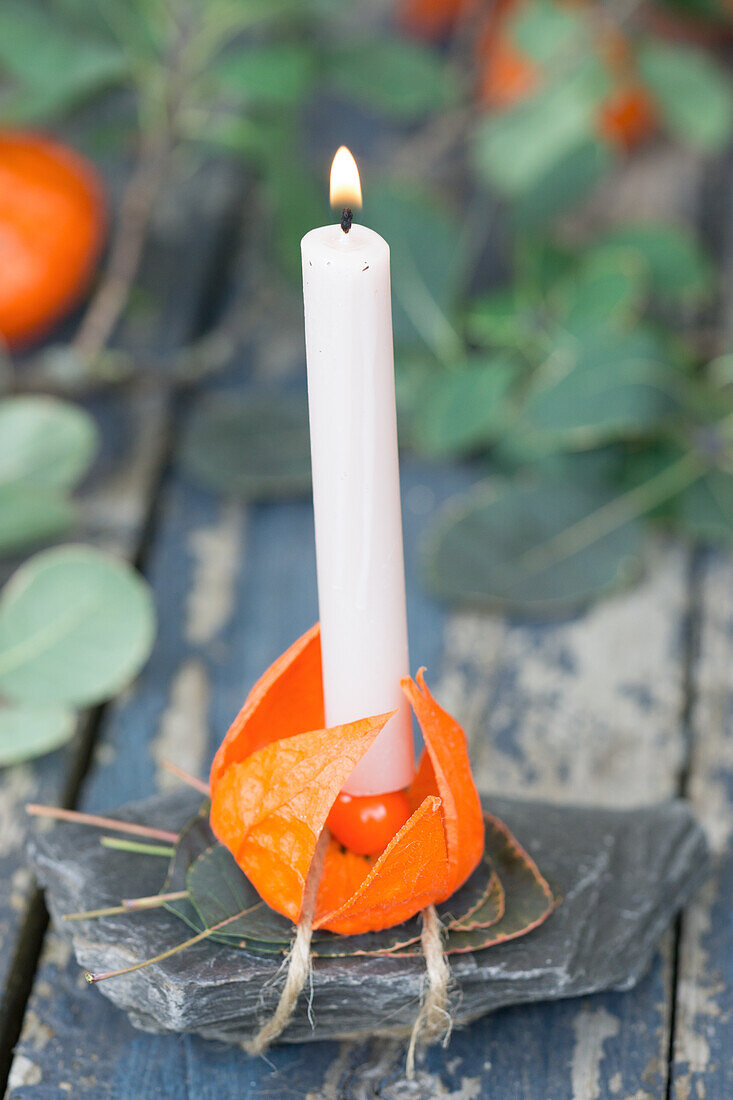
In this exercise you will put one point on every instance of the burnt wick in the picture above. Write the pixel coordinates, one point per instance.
(346, 219)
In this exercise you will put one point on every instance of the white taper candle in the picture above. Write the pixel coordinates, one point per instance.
(356, 494)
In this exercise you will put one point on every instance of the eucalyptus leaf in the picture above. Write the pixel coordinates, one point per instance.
(604, 290)
(542, 263)
(692, 93)
(75, 626)
(296, 202)
(28, 730)
(30, 514)
(515, 148)
(720, 371)
(500, 319)
(278, 74)
(465, 408)
(705, 510)
(593, 390)
(194, 839)
(675, 264)
(394, 75)
(218, 890)
(256, 448)
(528, 897)
(45, 442)
(424, 238)
(548, 33)
(535, 549)
(54, 64)
(565, 182)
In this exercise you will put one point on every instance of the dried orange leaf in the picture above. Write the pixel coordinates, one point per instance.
(285, 701)
(410, 873)
(446, 753)
(270, 810)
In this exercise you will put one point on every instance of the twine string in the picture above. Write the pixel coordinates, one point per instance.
(434, 1021)
(299, 961)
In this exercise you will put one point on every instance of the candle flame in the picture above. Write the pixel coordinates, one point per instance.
(345, 182)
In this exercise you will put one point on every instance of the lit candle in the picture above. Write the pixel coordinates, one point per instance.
(356, 489)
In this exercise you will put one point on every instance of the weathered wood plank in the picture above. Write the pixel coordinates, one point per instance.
(115, 507)
(702, 1064)
(588, 709)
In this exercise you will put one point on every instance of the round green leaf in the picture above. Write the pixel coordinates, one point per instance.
(533, 549)
(705, 509)
(29, 514)
(53, 64)
(45, 442)
(528, 898)
(396, 76)
(257, 448)
(427, 252)
(595, 389)
(514, 148)
(461, 410)
(27, 731)
(603, 291)
(274, 74)
(217, 890)
(549, 33)
(675, 263)
(75, 626)
(564, 183)
(692, 92)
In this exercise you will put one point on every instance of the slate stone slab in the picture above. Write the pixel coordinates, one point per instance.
(622, 875)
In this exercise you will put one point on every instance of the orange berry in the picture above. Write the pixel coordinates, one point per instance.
(365, 824)
(627, 117)
(506, 75)
(51, 228)
(433, 18)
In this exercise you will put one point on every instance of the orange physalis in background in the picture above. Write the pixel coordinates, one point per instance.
(51, 229)
(278, 773)
(506, 75)
(627, 117)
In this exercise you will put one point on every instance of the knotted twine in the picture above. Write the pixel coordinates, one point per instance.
(433, 1021)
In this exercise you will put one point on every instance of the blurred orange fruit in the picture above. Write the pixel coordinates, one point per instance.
(433, 18)
(51, 230)
(627, 117)
(506, 75)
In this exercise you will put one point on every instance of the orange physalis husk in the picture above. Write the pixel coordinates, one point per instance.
(278, 772)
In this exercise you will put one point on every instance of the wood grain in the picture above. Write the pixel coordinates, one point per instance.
(115, 506)
(233, 590)
(702, 1065)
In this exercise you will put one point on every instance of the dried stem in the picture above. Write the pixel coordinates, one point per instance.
(92, 978)
(111, 296)
(129, 905)
(92, 914)
(120, 845)
(61, 814)
(185, 777)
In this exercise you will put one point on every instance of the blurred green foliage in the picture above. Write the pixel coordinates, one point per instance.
(578, 379)
(75, 624)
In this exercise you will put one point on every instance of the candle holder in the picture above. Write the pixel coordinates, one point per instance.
(257, 878)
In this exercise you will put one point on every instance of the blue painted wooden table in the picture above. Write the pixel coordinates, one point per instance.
(627, 704)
